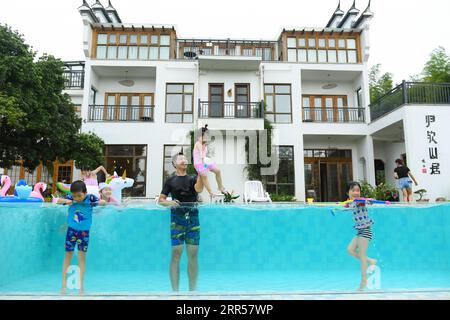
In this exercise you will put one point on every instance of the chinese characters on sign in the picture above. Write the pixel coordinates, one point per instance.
(433, 153)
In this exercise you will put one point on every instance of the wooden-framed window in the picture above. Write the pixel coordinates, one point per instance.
(327, 172)
(325, 108)
(278, 102)
(283, 182)
(133, 160)
(126, 107)
(322, 48)
(128, 45)
(180, 102)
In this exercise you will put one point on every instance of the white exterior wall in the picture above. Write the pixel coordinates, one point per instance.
(153, 134)
(343, 88)
(290, 134)
(388, 152)
(417, 146)
(230, 154)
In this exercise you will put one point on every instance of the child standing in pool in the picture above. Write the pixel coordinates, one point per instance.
(79, 223)
(204, 164)
(359, 244)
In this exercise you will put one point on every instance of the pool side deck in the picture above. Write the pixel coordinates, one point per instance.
(436, 294)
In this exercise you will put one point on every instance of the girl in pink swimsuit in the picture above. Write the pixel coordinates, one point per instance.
(202, 165)
(90, 177)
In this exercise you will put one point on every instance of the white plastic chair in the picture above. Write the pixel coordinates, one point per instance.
(254, 192)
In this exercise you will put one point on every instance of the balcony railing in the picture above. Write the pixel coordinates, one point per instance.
(193, 48)
(410, 93)
(333, 115)
(109, 113)
(73, 79)
(73, 75)
(230, 110)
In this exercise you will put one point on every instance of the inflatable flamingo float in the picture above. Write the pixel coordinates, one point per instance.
(5, 184)
(22, 190)
(38, 188)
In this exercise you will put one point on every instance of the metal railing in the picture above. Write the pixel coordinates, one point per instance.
(333, 115)
(109, 113)
(410, 93)
(73, 74)
(230, 110)
(192, 48)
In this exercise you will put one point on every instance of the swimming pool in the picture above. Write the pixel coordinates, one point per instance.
(265, 248)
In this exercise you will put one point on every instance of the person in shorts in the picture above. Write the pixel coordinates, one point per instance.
(79, 223)
(184, 220)
(404, 176)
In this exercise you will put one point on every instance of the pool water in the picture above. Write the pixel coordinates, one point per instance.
(265, 248)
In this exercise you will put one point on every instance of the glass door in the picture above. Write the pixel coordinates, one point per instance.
(216, 100)
(242, 100)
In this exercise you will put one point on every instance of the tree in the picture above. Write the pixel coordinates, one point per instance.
(87, 151)
(437, 68)
(379, 84)
(37, 121)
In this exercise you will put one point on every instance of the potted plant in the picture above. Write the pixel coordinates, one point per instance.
(421, 193)
(282, 197)
(229, 197)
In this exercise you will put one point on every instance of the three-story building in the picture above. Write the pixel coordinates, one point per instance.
(144, 89)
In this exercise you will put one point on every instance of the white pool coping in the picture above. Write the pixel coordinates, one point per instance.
(420, 294)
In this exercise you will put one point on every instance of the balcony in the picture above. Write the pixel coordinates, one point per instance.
(248, 116)
(334, 115)
(410, 93)
(242, 55)
(194, 48)
(73, 75)
(123, 113)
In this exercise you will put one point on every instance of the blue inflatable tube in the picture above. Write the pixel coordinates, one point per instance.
(12, 199)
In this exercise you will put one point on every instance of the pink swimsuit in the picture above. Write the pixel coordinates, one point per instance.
(91, 182)
(199, 165)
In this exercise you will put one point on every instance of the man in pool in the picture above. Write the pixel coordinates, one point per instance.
(185, 225)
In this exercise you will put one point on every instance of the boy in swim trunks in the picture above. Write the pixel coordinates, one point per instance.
(185, 224)
(79, 222)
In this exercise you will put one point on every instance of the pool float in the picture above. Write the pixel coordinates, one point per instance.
(63, 187)
(5, 184)
(23, 192)
(20, 183)
(358, 200)
(38, 188)
(117, 184)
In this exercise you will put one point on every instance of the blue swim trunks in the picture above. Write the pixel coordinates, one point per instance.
(77, 237)
(184, 226)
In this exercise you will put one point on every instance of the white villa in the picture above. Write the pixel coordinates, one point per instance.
(142, 89)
